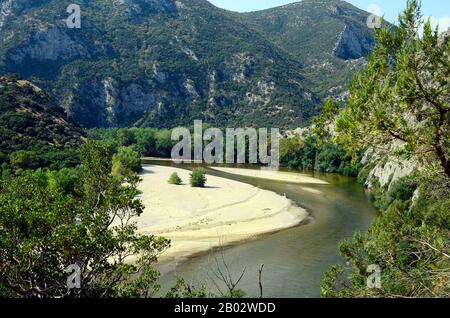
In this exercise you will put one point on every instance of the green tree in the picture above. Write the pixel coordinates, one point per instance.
(126, 162)
(164, 143)
(145, 142)
(402, 95)
(43, 231)
(291, 152)
(125, 137)
(23, 159)
(175, 179)
(323, 123)
(309, 153)
(198, 178)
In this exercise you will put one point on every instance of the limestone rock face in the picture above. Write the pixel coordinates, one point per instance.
(350, 46)
(390, 172)
(387, 168)
(50, 45)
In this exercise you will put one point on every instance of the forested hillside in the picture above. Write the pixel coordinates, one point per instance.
(163, 63)
(34, 130)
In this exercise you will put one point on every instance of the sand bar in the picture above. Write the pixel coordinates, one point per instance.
(200, 219)
(272, 175)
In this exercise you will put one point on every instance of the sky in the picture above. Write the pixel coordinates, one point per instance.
(438, 10)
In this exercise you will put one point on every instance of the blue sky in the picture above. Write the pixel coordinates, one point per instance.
(438, 9)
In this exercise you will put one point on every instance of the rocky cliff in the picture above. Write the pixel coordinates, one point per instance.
(164, 63)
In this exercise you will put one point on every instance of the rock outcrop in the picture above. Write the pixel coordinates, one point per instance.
(350, 46)
(149, 63)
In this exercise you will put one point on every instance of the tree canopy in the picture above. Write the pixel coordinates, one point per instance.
(44, 232)
(402, 97)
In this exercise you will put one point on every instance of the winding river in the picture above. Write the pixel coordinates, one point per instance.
(294, 259)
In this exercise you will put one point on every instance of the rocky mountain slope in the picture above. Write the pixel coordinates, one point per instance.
(32, 126)
(164, 63)
(329, 37)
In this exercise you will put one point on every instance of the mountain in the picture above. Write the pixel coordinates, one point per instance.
(33, 128)
(329, 37)
(164, 63)
(156, 63)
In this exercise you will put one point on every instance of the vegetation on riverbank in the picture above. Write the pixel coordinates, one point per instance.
(198, 178)
(53, 224)
(399, 104)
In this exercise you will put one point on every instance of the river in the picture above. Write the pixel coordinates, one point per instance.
(294, 259)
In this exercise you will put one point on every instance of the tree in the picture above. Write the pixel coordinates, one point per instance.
(198, 178)
(23, 159)
(324, 122)
(145, 141)
(164, 143)
(409, 243)
(402, 96)
(44, 232)
(125, 137)
(126, 162)
(310, 150)
(175, 179)
(291, 152)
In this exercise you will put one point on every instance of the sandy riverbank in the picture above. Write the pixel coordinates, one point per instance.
(272, 175)
(197, 220)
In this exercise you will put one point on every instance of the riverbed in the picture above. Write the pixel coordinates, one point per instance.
(294, 259)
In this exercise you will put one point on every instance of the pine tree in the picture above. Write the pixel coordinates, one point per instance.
(403, 94)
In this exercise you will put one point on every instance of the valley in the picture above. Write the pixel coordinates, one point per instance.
(174, 149)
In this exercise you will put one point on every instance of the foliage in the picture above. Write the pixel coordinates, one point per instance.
(323, 122)
(402, 95)
(307, 153)
(51, 220)
(198, 178)
(148, 142)
(291, 152)
(410, 243)
(126, 162)
(175, 179)
(184, 290)
(34, 131)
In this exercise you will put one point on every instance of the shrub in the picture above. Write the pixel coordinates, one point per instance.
(175, 179)
(403, 189)
(198, 178)
(126, 162)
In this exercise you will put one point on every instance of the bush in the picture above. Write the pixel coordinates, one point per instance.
(175, 179)
(23, 159)
(126, 162)
(403, 189)
(198, 178)
(364, 173)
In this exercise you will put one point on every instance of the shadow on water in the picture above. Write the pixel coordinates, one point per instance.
(295, 259)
